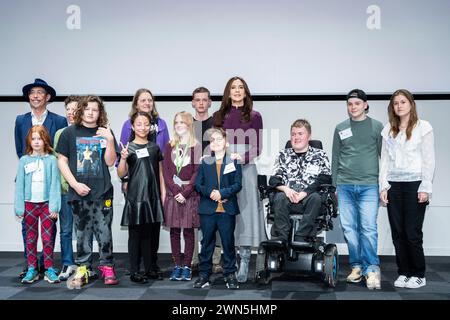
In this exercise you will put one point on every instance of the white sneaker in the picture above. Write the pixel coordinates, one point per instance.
(414, 283)
(66, 272)
(373, 281)
(401, 281)
(355, 276)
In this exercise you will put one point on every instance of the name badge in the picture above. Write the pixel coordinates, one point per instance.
(142, 153)
(103, 143)
(344, 134)
(313, 170)
(31, 167)
(229, 168)
(177, 180)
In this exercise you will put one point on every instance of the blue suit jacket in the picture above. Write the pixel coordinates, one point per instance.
(53, 122)
(230, 185)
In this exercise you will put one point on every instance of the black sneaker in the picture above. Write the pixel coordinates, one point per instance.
(138, 278)
(231, 281)
(154, 275)
(201, 283)
(92, 275)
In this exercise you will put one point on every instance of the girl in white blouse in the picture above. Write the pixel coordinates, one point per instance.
(406, 175)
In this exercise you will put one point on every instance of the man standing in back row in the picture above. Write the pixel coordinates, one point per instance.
(201, 102)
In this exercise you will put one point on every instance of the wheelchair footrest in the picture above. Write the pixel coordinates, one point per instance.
(301, 244)
(274, 244)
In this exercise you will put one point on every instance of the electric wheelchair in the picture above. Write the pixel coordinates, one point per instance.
(307, 256)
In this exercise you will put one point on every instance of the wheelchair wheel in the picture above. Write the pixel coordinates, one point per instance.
(331, 265)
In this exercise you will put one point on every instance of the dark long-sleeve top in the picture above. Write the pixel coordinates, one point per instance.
(187, 172)
(250, 134)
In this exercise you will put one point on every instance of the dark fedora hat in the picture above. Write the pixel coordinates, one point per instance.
(39, 83)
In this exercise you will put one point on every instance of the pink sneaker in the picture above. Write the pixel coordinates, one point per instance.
(108, 275)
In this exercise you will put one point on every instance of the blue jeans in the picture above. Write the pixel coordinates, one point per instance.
(66, 228)
(358, 208)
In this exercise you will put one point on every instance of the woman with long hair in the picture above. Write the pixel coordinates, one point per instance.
(406, 177)
(244, 128)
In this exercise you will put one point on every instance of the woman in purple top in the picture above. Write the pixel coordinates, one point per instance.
(143, 101)
(244, 129)
(180, 165)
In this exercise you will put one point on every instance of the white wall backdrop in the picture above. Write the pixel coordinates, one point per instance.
(112, 47)
(283, 46)
(277, 117)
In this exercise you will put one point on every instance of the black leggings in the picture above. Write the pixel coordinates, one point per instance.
(143, 242)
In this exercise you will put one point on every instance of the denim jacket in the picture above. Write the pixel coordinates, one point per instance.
(52, 183)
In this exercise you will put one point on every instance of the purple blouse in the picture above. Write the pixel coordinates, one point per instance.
(162, 136)
(252, 138)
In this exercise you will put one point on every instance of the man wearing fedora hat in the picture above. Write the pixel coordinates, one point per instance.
(38, 94)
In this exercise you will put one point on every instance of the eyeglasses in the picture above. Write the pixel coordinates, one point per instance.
(39, 92)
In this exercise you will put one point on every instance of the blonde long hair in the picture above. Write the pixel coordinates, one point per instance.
(187, 118)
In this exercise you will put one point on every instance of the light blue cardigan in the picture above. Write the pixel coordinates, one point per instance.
(52, 183)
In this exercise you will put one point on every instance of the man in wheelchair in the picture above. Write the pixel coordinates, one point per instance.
(299, 173)
(303, 204)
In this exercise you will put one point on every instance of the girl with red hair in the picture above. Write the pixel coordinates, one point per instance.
(38, 197)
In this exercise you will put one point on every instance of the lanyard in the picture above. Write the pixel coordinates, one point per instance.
(180, 160)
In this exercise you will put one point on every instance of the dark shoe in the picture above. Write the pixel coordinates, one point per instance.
(138, 278)
(201, 282)
(154, 275)
(231, 281)
(92, 275)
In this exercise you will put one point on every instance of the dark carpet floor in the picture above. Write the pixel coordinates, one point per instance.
(282, 288)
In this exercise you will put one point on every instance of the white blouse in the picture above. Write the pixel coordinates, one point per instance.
(408, 160)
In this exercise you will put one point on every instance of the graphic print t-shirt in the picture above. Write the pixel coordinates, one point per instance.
(86, 161)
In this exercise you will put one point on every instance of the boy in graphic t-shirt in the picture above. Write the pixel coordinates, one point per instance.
(86, 150)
